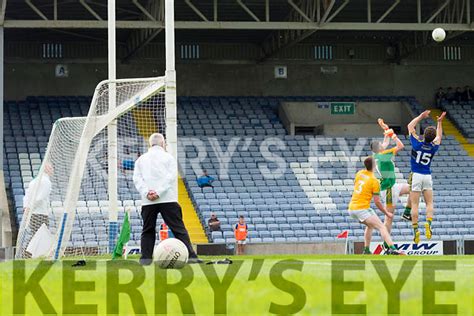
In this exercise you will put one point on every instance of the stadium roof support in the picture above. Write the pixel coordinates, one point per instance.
(390, 9)
(304, 15)
(196, 10)
(327, 11)
(301, 12)
(280, 39)
(90, 10)
(246, 9)
(227, 25)
(418, 10)
(342, 6)
(438, 11)
(143, 10)
(287, 38)
(142, 37)
(3, 6)
(454, 12)
(37, 11)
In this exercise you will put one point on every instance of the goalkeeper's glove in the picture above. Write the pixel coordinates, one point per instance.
(390, 133)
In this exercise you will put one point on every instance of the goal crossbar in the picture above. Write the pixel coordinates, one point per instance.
(91, 128)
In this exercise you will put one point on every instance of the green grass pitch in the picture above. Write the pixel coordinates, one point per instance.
(257, 285)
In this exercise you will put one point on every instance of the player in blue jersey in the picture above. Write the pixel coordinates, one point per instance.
(422, 153)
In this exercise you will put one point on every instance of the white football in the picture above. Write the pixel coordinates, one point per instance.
(171, 253)
(438, 34)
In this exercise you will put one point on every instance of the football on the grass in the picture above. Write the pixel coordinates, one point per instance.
(171, 253)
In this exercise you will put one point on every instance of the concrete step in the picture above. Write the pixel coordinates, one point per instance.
(190, 218)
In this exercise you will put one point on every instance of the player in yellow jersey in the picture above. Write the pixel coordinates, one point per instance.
(366, 187)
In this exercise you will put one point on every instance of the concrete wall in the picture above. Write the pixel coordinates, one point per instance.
(22, 79)
(309, 114)
(361, 123)
(353, 130)
(327, 248)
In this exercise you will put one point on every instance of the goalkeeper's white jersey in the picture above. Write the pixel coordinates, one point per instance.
(41, 189)
(156, 170)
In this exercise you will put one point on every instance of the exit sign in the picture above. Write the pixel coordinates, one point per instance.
(343, 108)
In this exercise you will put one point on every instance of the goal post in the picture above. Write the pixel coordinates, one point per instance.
(78, 153)
(170, 80)
(96, 123)
(93, 157)
(112, 127)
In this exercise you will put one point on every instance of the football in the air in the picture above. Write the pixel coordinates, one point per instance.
(438, 34)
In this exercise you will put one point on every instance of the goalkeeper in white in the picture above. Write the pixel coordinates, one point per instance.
(38, 204)
(36, 200)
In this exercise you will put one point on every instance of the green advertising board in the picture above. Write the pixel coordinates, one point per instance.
(344, 108)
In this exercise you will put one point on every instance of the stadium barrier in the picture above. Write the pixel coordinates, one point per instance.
(214, 249)
(288, 248)
(468, 247)
(448, 247)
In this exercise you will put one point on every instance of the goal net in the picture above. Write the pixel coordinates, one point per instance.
(88, 159)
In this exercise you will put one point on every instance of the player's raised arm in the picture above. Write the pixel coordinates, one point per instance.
(386, 141)
(439, 129)
(385, 127)
(398, 142)
(412, 125)
(390, 134)
(382, 124)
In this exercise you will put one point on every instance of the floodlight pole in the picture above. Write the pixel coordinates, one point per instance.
(112, 128)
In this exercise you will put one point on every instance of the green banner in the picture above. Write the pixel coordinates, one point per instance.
(347, 108)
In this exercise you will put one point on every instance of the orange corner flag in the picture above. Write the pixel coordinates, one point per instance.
(343, 234)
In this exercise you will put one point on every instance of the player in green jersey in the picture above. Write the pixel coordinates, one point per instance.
(385, 170)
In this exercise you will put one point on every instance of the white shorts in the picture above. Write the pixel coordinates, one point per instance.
(362, 215)
(420, 182)
(241, 242)
(391, 196)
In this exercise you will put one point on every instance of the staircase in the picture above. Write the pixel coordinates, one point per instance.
(190, 218)
(450, 129)
(145, 122)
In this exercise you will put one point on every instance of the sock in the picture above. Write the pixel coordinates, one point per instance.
(415, 227)
(366, 249)
(407, 211)
(429, 220)
(392, 247)
(385, 244)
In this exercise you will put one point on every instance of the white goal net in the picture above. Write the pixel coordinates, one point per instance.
(80, 213)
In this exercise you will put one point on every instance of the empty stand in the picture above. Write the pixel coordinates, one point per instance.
(294, 194)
